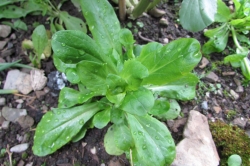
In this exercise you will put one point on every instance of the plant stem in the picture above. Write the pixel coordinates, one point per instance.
(122, 10)
(8, 91)
(235, 40)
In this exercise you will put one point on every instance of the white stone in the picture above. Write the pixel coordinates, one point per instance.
(93, 150)
(19, 81)
(38, 80)
(5, 124)
(19, 148)
(197, 148)
(2, 101)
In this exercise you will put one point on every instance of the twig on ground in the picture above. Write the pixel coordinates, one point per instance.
(144, 38)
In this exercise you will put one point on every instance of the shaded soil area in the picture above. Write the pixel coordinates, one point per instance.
(90, 150)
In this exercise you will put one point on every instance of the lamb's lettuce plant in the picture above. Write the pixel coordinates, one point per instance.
(131, 89)
(237, 25)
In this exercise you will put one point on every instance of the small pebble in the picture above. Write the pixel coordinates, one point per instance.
(2, 101)
(5, 124)
(204, 105)
(234, 94)
(229, 73)
(19, 101)
(239, 89)
(164, 21)
(93, 150)
(19, 148)
(19, 106)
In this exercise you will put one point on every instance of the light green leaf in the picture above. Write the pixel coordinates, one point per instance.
(6, 2)
(223, 12)
(101, 119)
(60, 65)
(18, 24)
(172, 113)
(126, 37)
(161, 106)
(181, 88)
(103, 24)
(133, 72)
(218, 39)
(234, 59)
(73, 46)
(69, 97)
(162, 64)
(109, 143)
(93, 75)
(196, 15)
(152, 139)
(72, 75)
(245, 67)
(234, 160)
(123, 137)
(72, 23)
(138, 102)
(39, 39)
(59, 126)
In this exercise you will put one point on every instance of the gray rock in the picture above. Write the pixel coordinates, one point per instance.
(234, 94)
(2, 44)
(1, 120)
(4, 31)
(21, 163)
(2, 101)
(12, 114)
(5, 124)
(241, 122)
(197, 148)
(239, 89)
(25, 121)
(19, 148)
(212, 77)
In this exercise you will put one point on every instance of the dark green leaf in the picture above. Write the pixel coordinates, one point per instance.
(196, 15)
(6, 2)
(133, 72)
(152, 139)
(138, 102)
(61, 66)
(74, 46)
(72, 75)
(59, 126)
(161, 106)
(162, 63)
(101, 119)
(117, 116)
(18, 24)
(103, 24)
(93, 75)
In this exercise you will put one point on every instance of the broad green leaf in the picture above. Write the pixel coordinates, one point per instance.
(223, 12)
(172, 113)
(181, 88)
(93, 75)
(123, 137)
(39, 39)
(196, 15)
(161, 106)
(60, 65)
(152, 139)
(218, 39)
(234, 160)
(117, 116)
(116, 84)
(103, 24)
(234, 59)
(80, 134)
(101, 119)
(138, 102)
(59, 126)
(72, 23)
(162, 64)
(72, 75)
(126, 39)
(109, 143)
(69, 97)
(133, 72)
(73, 46)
